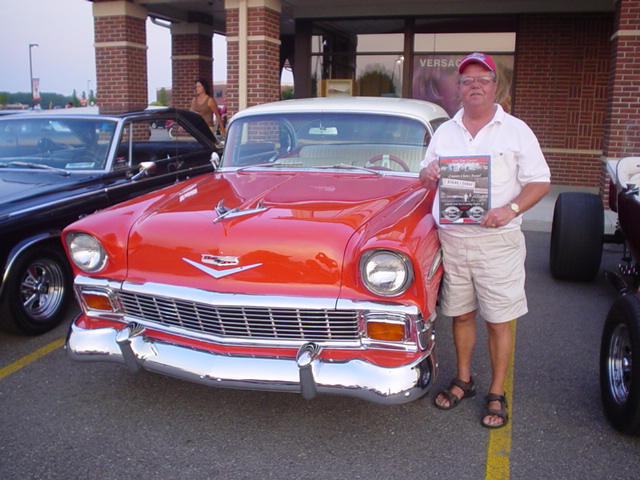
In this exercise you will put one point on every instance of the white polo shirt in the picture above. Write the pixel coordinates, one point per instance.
(516, 160)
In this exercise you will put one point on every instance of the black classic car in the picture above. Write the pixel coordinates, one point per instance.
(61, 166)
(577, 238)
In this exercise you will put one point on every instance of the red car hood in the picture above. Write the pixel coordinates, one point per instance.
(289, 235)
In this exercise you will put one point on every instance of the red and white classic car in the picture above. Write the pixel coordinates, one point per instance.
(307, 262)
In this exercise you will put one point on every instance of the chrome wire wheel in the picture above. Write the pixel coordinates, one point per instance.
(37, 291)
(42, 288)
(619, 364)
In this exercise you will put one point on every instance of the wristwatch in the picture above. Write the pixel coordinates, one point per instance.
(515, 207)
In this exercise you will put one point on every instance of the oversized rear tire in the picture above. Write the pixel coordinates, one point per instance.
(37, 292)
(620, 365)
(577, 234)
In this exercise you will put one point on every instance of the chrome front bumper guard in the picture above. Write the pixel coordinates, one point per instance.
(308, 374)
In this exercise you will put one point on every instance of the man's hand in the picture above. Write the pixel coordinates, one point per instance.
(430, 175)
(498, 217)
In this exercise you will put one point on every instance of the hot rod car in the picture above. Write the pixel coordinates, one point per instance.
(576, 251)
(308, 262)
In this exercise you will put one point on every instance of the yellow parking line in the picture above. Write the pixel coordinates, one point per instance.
(32, 357)
(499, 447)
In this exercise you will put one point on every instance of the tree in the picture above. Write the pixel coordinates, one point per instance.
(163, 99)
(74, 98)
(286, 93)
(375, 82)
(48, 99)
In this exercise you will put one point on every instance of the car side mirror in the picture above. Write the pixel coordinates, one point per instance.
(215, 160)
(146, 169)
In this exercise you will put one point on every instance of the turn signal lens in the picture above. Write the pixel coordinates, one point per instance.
(96, 301)
(390, 332)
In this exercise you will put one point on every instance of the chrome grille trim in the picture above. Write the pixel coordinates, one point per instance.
(242, 322)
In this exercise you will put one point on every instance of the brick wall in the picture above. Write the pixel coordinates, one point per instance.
(623, 135)
(562, 86)
(192, 56)
(233, 57)
(263, 57)
(121, 69)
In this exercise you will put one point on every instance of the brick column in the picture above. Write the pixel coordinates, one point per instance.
(121, 56)
(191, 58)
(622, 136)
(253, 52)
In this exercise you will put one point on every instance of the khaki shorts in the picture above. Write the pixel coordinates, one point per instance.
(484, 273)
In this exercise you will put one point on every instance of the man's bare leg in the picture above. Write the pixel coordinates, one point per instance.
(500, 351)
(464, 339)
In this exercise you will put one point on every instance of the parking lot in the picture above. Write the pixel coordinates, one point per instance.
(66, 420)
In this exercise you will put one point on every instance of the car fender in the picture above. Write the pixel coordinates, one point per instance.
(419, 242)
(24, 245)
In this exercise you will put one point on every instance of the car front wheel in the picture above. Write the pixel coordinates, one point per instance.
(37, 292)
(620, 364)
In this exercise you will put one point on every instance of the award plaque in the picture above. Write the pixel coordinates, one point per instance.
(464, 189)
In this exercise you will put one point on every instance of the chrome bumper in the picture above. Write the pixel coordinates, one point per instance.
(308, 374)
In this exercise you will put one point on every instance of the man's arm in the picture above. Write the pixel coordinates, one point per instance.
(531, 194)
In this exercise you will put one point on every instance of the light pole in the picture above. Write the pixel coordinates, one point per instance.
(31, 45)
(400, 63)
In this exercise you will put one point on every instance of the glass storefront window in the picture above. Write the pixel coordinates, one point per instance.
(379, 43)
(376, 63)
(379, 75)
(465, 42)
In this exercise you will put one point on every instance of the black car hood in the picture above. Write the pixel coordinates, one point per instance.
(20, 186)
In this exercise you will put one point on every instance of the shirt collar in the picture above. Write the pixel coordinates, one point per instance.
(498, 117)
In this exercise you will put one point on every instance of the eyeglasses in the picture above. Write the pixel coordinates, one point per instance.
(466, 81)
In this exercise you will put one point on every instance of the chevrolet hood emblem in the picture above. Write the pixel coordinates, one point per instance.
(219, 273)
(220, 261)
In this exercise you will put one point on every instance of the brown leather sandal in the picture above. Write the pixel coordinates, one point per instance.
(502, 413)
(469, 389)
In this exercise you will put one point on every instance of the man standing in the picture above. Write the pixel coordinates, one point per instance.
(484, 262)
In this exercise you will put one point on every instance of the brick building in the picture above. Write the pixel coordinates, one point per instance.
(572, 63)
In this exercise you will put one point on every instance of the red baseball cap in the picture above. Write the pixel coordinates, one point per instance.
(480, 58)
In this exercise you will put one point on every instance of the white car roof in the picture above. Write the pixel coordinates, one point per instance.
(419, 109)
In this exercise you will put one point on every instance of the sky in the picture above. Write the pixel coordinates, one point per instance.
(64, 59)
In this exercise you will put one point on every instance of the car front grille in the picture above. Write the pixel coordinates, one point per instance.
(258, 323)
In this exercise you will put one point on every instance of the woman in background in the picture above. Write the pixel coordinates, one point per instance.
(206, 106)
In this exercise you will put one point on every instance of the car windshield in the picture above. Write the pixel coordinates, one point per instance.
(66, 144)
(380, 142)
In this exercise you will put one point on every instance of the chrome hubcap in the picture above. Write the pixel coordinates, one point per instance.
(42, 289)
(619, 364)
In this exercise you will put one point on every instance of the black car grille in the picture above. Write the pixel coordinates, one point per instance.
(243, 322)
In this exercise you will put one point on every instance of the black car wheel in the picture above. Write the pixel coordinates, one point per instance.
(577, 234)
(619, 351)
(37, 292)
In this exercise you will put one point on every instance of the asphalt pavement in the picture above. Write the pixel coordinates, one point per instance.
(67, 420)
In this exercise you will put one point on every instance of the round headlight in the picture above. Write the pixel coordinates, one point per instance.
(386, 273)
(86, 252)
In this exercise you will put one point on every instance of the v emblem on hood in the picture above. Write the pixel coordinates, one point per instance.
(219, 273)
